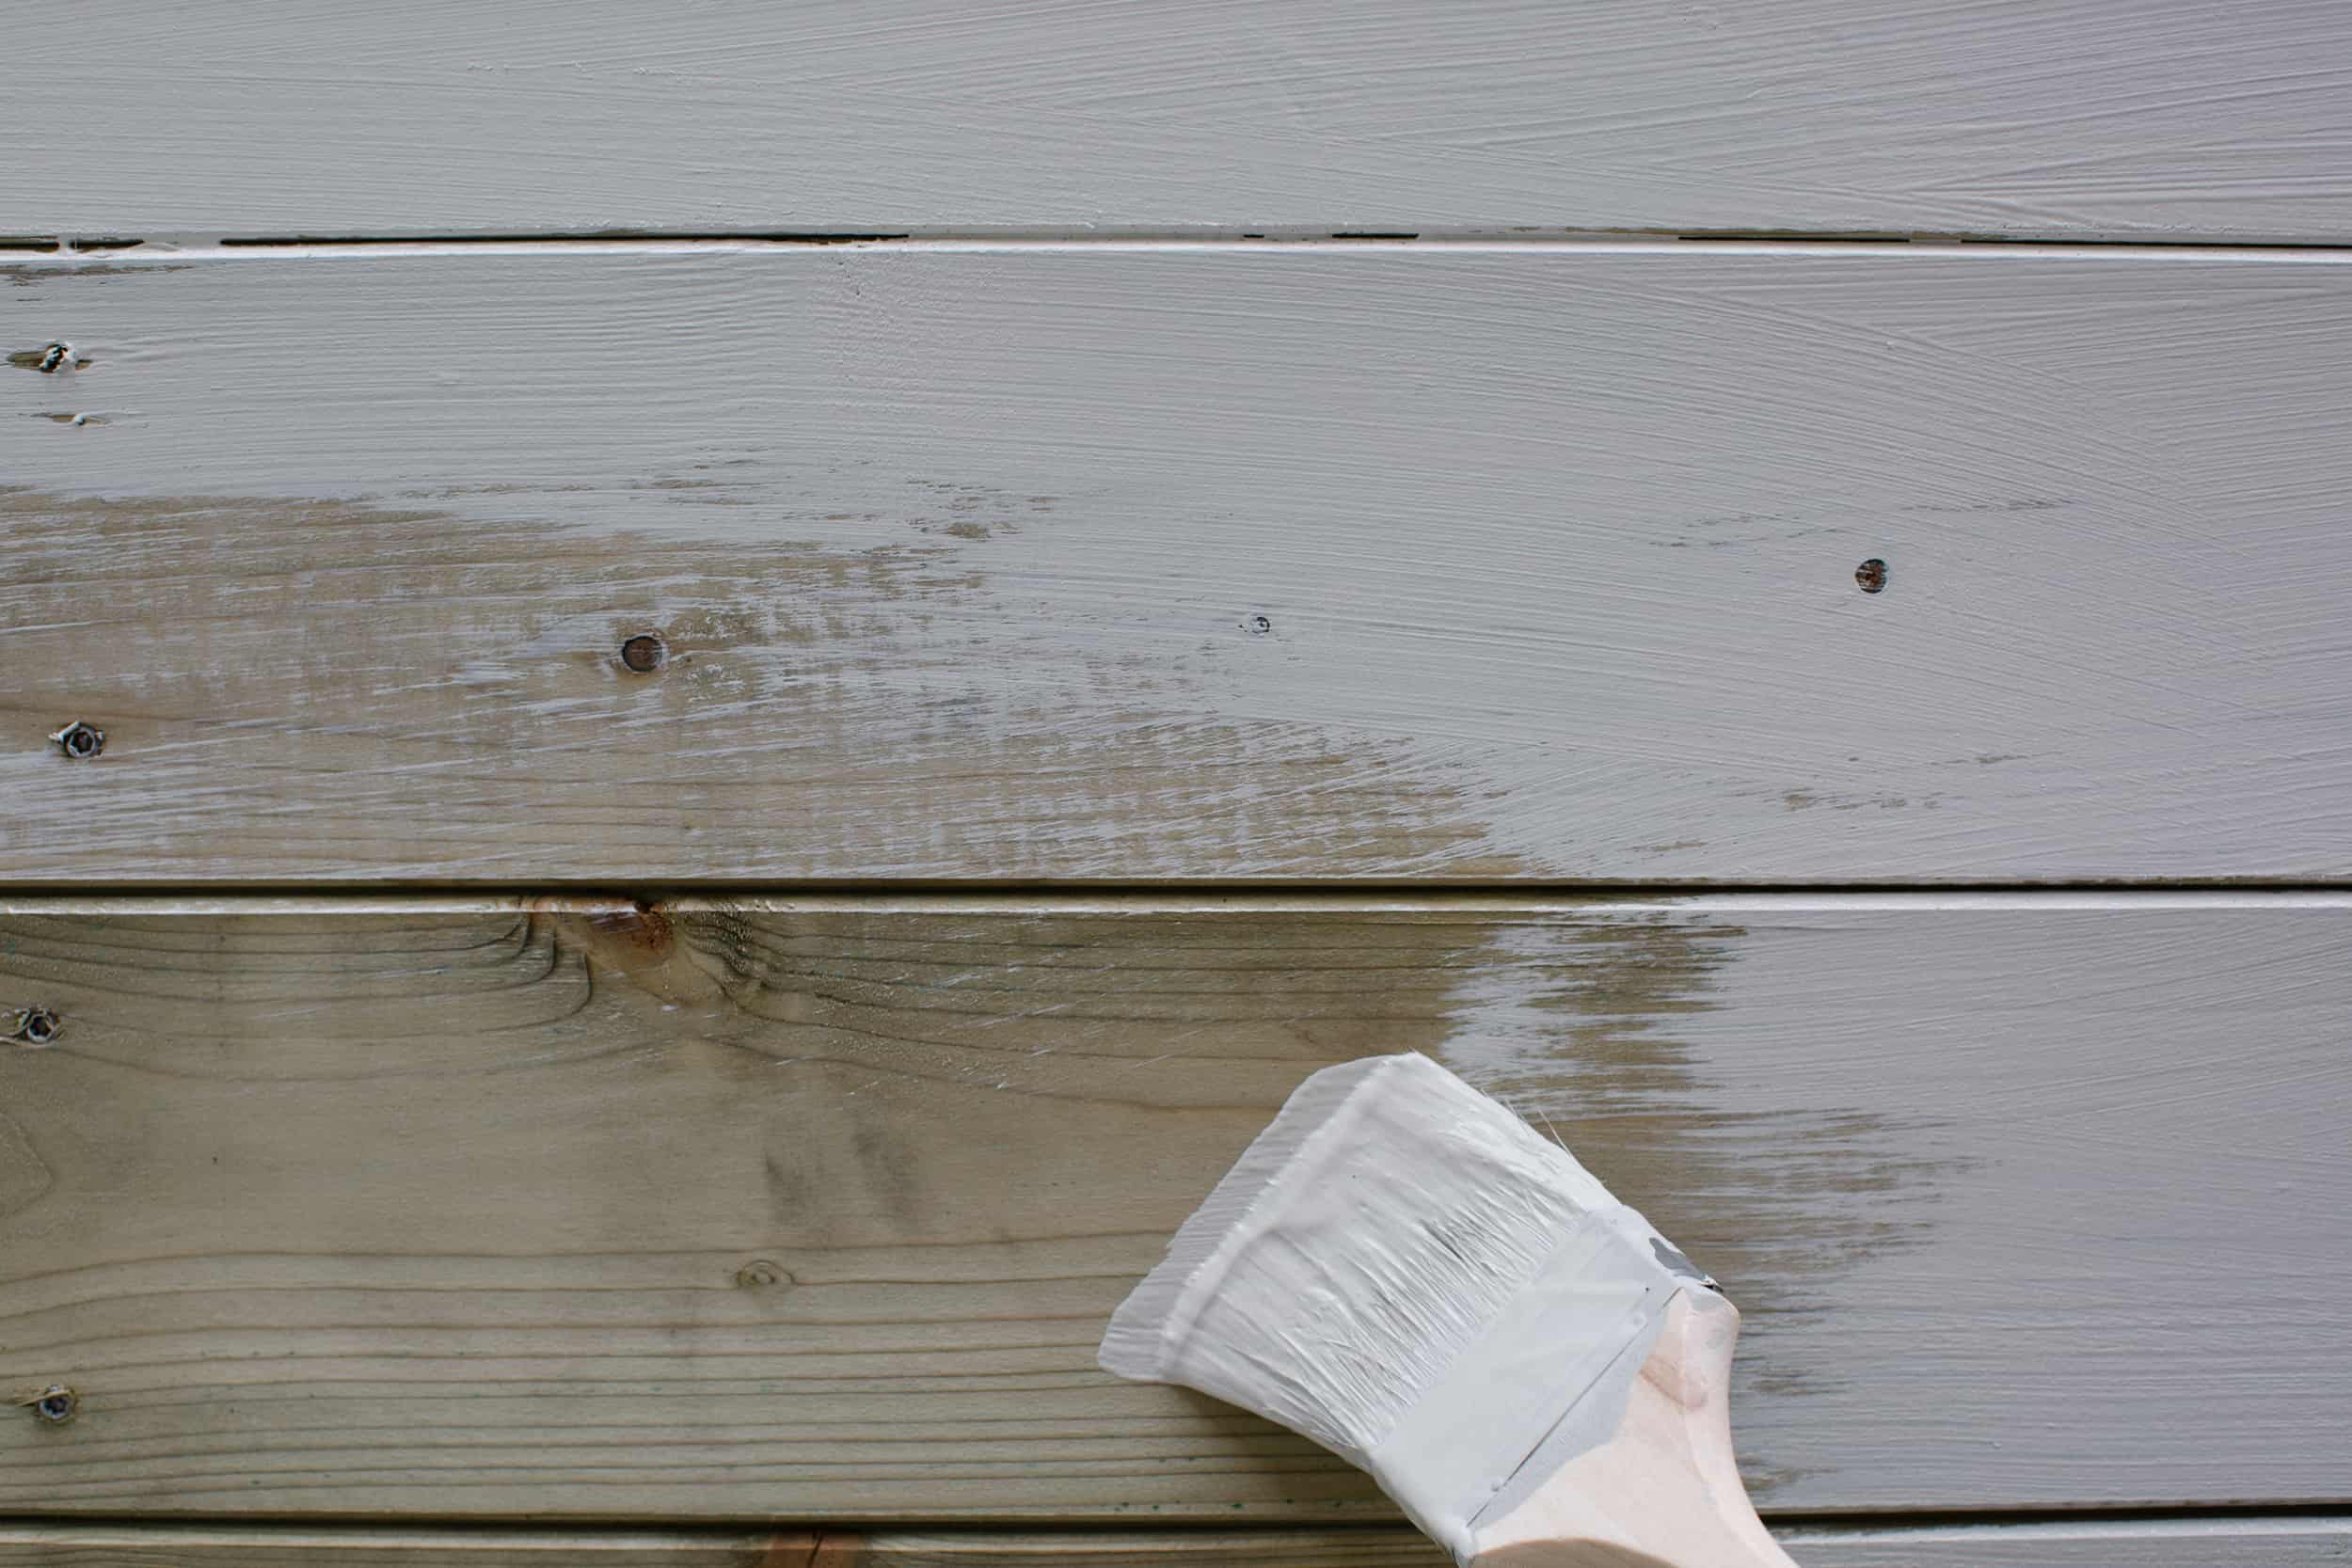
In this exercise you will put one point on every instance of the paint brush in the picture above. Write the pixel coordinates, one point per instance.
(1404, 1271)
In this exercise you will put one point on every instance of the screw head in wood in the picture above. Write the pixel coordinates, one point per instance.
(55, 1405)
(35, 1026)
(1258, 626)
(644, 653)
(80, 741)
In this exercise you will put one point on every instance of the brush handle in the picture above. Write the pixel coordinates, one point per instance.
(1663, 1490)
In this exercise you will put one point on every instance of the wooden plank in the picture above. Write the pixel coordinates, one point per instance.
(2019, 117)
(2256, 1542)
(814, 1208)
(2284, 1542)
(1120, 562)
(261, 1546)
(2261, 1543)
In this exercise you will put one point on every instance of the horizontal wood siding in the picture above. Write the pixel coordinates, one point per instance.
(526, 533)
(1154, 562)
(814, 1208)
(2021, 117)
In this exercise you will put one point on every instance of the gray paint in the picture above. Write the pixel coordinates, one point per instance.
(959, 551)
(2162, 117)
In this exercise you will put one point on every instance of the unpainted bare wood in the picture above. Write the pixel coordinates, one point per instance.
(2166, 118)
(814, 1207)
(277, 1546)
(1105, 564)
(2285, 1541)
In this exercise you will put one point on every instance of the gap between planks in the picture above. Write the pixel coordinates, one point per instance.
(66, 251)
(1130, 899)
(400, 892)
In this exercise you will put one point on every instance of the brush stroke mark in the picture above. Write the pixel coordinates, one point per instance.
(1584, 1025)
(451, 691)
(1581, 1022)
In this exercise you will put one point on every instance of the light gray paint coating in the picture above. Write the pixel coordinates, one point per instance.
(2021, 116)
(2048, 1139)
(962, 553)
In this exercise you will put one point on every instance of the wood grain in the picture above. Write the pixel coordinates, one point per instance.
(1108, 563)
(2285, 1541)
(814, 1209)
(2024, 117)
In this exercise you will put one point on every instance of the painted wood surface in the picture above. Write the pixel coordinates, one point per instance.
(2016, 117)
(2257, 1543)
(1149, 562)
(816, 1209)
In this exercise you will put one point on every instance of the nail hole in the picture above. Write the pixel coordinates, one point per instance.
(1872, 575)
(1260, 625)
(37, 1026)
(51, 357)
(56, 1405)
(644, 653)
(80, 741)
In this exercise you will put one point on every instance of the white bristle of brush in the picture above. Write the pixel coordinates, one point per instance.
(1404, 1271)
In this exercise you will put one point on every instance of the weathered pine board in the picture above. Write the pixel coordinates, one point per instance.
(2284, 1542)
(2017, 117)
(814, 1208)
(1147, 563)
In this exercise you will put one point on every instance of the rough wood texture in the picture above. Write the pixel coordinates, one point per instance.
(1154, 562)
(66, 1545)
(816, 1209)
(2021, 117)
(2260, 1543)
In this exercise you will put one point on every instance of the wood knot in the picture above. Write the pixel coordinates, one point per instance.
(763, 1273)
(840, 1549)
(814, 1549)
